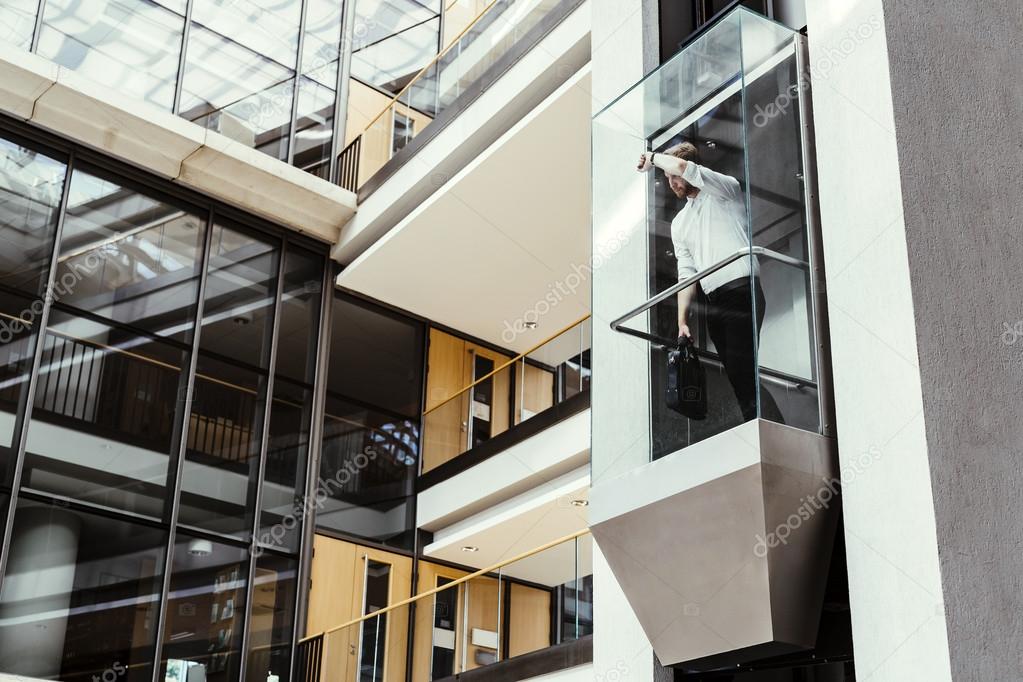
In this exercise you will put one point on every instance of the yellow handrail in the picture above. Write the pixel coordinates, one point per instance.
(510, 362)
(433, 61)
(453, 583)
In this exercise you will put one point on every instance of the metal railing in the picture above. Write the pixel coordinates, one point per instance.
(512, 392)
(436, 86)
(372, 645)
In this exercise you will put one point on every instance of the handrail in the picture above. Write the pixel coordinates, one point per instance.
(507, 364)
(454, 583)
(617, 323)
(433, 61)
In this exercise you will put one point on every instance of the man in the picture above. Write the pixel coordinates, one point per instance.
(708, 229)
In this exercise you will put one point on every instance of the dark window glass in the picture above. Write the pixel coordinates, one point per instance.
(284, 477)
(31, 184)
(376, 357)
(103, 420)
(17, 20)
(300, 315)
(130, 45)
(205, 611)
(402, 132)
(374, 630)
(273, 611)
(577, 608)
(225, 425)
(368, 464)
(240, 71)
(129, 257)
(80, 596)
(17, 346)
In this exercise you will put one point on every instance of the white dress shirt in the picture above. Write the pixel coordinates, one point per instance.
(711, 227)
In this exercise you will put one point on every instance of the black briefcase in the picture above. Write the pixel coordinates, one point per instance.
(687, 383)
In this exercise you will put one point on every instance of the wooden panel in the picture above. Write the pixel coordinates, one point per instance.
(364, 104)
(530, 620)
(443, 432)
(501, 411)
(333, 600)
(399, 588)
(422, 654)
(483, 613)
(536, 390)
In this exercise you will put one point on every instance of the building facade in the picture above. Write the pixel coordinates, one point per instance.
(340, 340)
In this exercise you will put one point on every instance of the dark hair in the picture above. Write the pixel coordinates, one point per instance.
(686, 151)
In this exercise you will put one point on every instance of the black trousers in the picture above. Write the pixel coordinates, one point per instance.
(730, 323)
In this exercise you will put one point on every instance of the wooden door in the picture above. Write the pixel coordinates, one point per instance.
(437, 648)
(444, 433)
(534, 390)
(341, 572)
(529, 615)
(481, 635)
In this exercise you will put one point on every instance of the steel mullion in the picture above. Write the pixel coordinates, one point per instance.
(293, 133)
(37, 27)
(344, 67)
(264, 444)
(186, 31)
(308, 516)
(44, 318)
(178, 462)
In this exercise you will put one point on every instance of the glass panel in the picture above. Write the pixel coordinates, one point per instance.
(17, 346)
(225, 425)
(300, 315)
(273, 613)
(373, 651)
(80, 596)
(238, 92)
(284, 478)
(205, 611)
(31, 185)
(17, 21)
(733, 216)
(131, 45)
(129, 257)
(265, 27)
(393, 40)
(106, 402)
(317, 86)
(368, 469)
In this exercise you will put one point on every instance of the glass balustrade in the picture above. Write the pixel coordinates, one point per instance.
(716, 245)
(475, 394)
(434, 89)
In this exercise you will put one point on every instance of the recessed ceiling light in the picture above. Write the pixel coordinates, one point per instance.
(199, 547)
(580, 503)
(470, 548)
(530, 325)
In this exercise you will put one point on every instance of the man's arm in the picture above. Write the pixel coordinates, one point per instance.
(666, 162)
(700, 177)
(685, 299)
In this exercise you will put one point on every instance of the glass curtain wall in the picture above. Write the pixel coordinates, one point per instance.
(371, 424)
(155, 412)
(262, 72)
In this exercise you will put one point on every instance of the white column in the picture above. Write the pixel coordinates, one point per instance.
(37, 591)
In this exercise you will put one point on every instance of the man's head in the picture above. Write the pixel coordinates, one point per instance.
(686, 151)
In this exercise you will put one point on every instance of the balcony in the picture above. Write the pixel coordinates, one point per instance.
(693, 492)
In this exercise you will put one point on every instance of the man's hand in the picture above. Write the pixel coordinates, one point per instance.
(683, 330)
(645, 162)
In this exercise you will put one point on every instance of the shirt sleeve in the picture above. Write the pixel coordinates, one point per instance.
(686, 262)
(712, 182)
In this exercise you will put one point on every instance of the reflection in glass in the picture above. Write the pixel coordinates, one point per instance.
(205, 610)
(373, 654)
(300, 315)
(103, 419)
(397, 38)
(316, 89)
(17, 345)
(130, 45)
(17, 20)
(273, 611)
(129, 257)
(237, 91)
(31, 184)
(80, 595)
(368, 463)
(284, 475)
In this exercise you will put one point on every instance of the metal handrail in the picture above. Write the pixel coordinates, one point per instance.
(454, 583)
(616, 324)
(515, 359)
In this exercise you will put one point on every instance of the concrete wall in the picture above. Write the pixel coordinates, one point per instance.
(894, 581)
(957, 107)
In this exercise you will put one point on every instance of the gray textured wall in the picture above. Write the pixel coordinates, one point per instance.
(958, 106)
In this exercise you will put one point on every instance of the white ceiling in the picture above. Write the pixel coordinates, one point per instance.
(521, 524)
(503, 240)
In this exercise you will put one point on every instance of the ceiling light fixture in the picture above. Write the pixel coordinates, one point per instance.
(470, 548)
(530, 325)
(199, 547)
(580, 503)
